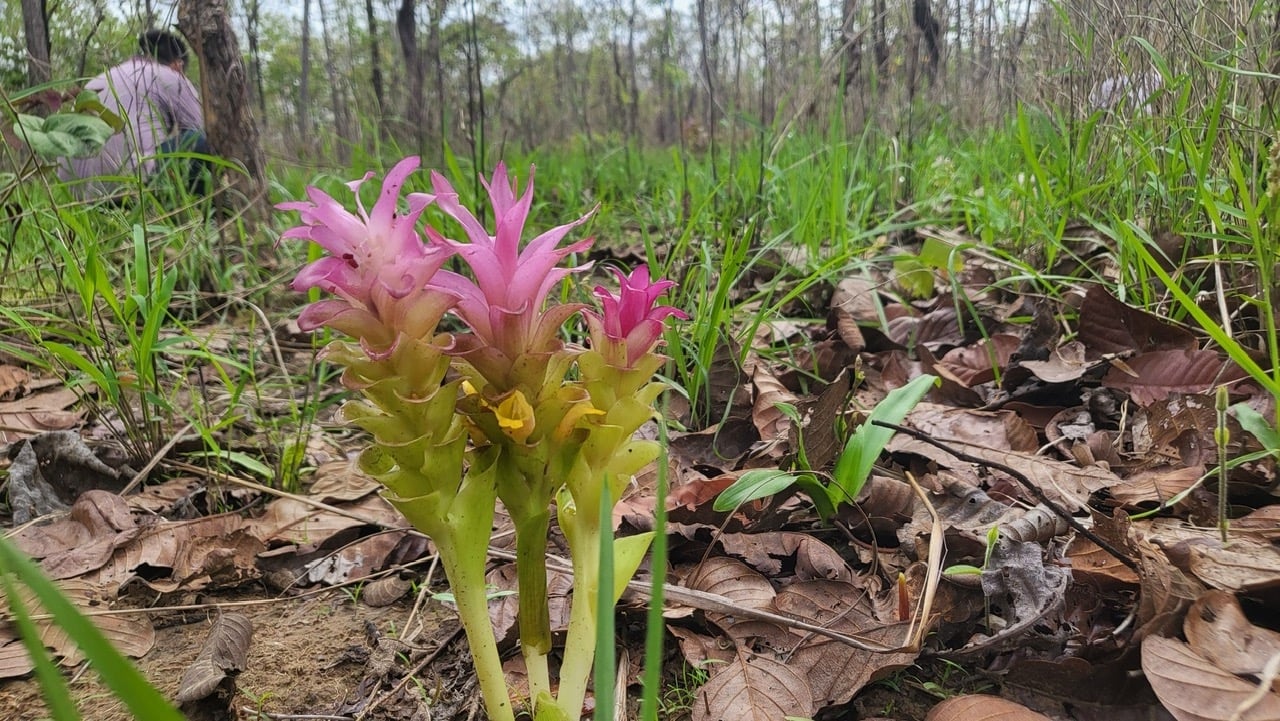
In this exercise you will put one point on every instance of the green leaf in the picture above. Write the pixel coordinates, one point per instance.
(63, 134)
(1254, 422)
(853, 467)
(913, 276)
(245, 461)
(547, 710)
(90, 131)
(628, 552)
(52, 685)
(962, 569)
(755, 484)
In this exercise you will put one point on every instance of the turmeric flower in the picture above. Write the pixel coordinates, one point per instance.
(378, 266)
(503, 306)
(630, 324)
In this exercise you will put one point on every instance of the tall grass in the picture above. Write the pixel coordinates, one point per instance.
(750, 236)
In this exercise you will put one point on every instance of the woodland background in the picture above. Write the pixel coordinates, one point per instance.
(479, 77)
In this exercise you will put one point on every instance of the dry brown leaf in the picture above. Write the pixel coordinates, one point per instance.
(98, 523)
(978, 363)
(1236, 567)
(13, 382)
(385, 591)
(1193, 689)
(340, 481)
(992, 429)
(131, 635)
(765, 552)
(213, 549)
(836, 671)
(732, 579)
(1152, 376)
(853, 302)
(225, 651)
(1092, 565)
(1108, 326)
(1063, 482)
(1066, 363)
(752, 688)
(1217, 629)
(289, 520)
(37, 413)
(981, 707)
(773, 425)
(821, 443)
(1155, 485)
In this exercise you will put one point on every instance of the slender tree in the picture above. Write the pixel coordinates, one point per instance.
(252, 30)
(304, 84)
(35, 26)
(415, 66)
(375, 64)
(229, 122)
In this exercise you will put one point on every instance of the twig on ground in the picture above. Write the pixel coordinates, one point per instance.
(1026, 483)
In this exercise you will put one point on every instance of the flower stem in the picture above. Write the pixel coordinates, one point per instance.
(580, 646)
(534, 615)
(466, 578)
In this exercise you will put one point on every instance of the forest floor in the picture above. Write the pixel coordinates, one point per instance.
(1045, 529)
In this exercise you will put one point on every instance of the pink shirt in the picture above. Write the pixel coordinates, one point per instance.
(156, 102)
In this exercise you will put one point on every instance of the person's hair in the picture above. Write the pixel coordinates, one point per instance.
(163, 46)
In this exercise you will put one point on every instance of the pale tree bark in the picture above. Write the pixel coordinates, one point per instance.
(35, 26)
(341, 114)
(229, 122)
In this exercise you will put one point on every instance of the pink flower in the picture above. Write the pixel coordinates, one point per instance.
(504, 304)
(377, 265)
(630, 322)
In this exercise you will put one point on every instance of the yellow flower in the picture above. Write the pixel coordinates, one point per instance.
(515, 416)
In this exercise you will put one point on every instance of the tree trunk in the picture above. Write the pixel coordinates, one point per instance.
(434, 60)
(227, 108)
(35, 26)
(255, 57)
(851, 57)
(931, 32)
(880, 45)
(304, 86)
(633, 109)
(341, 114)
(415, 109)
(375, 66)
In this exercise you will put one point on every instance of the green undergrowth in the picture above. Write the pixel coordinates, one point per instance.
(1172, 211)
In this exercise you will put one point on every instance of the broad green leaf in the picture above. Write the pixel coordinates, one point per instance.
(913, 276)
(962, 569)
(755, 484)
(853, 467)
(90, 131)
(1253, 422)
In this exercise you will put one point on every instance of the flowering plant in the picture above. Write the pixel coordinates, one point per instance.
(503, 411)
